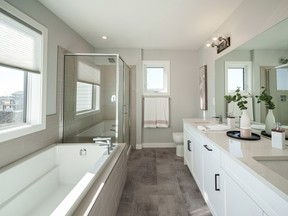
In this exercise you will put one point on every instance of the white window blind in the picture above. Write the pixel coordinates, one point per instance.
(88, 72)
(20, 44)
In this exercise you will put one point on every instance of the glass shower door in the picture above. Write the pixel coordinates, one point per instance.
(123, 102)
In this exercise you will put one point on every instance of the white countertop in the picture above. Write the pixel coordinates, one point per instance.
(243, 151)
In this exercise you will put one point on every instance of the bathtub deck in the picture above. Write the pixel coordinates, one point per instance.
(48, 205)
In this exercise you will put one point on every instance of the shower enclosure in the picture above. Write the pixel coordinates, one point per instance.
(96, 97)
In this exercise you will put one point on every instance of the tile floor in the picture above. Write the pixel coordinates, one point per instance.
(159, 184)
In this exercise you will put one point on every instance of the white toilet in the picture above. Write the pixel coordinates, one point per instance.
(178, 140)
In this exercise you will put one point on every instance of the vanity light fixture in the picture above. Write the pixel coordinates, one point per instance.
(221, 43)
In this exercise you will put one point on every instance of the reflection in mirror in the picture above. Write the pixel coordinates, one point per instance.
(238, 74)
(266, 52)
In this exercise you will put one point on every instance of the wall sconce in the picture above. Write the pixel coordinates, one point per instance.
(221, 43)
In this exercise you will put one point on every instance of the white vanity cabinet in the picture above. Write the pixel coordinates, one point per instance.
(204, 158)
(213, 179)
(228, 186)
(188, 149)
(237, 202)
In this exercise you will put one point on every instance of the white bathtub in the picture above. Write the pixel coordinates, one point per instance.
(52, 181)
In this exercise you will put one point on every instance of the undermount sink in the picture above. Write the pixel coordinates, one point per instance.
(278, 164)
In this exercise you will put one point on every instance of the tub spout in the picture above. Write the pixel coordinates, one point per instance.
(104, 140)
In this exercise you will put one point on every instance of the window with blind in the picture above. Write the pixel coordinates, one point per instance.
(88, 86)
(23, 75)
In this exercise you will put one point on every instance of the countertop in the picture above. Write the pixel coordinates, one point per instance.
(243, 152)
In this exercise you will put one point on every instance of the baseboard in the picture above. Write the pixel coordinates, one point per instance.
(158, 145)
(139, 146)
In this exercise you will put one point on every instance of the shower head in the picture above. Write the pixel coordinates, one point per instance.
(111, 60)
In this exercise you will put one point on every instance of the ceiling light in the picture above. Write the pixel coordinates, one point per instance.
(104, 37)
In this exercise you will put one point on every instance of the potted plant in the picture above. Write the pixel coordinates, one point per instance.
(237, 97)
(269, 104)
(241, 100)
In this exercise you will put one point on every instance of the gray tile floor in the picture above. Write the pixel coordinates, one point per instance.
(159, 184)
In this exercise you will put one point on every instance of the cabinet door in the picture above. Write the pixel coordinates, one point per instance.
(197, 169)
(237, 202)
(213, 179)
(188, 149)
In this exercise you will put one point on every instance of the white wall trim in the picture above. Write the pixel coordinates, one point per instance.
(139, 146)
(158, 145)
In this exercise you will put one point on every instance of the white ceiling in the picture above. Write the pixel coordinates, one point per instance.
(147, 24)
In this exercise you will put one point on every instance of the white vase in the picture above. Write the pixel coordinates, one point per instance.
(269, 122)
(245, 126)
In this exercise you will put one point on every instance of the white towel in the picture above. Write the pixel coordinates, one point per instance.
(156, 112)
(150, 112)
(162, 112)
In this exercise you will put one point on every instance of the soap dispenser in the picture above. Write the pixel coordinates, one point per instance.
(278, 136)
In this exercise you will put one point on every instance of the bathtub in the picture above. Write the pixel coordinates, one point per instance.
(53, 181)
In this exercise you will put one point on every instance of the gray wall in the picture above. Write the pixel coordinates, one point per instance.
(59, 34)
(184, 88)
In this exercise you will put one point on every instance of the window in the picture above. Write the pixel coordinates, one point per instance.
(23, 44)
(88, 97)
(282, 78)
(237, 74)
(88, 86)
(156, 76)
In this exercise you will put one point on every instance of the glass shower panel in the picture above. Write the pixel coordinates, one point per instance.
(93, 82)
(124, 102)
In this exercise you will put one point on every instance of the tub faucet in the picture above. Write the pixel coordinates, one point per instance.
(104, 140)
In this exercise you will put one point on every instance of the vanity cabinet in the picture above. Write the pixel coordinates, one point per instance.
(237, 202)
(188, 149)
(193, 156)
(228, 185)
(213, 179)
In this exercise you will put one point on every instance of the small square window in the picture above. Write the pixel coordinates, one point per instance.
(156, 78)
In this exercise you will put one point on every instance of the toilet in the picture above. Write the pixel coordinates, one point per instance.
(178, 140)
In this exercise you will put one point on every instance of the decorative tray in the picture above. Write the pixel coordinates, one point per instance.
(268, 135)
(236, 135)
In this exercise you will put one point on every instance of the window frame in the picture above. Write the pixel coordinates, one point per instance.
(166, 78)
(95, 100)
(36, 87)
(247, 67)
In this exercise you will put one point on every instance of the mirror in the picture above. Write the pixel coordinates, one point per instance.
(265, 52)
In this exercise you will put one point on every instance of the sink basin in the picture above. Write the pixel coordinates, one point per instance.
(218, 127)
(278, 164)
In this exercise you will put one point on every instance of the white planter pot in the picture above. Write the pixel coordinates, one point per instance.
(269, 122)
(245, 126)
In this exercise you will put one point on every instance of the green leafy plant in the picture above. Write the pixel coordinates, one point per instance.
(266, 98)
(238, 98)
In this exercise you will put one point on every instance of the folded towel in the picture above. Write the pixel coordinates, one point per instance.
(201, 128)
(150, 112)
(156, 112)
(162, 112)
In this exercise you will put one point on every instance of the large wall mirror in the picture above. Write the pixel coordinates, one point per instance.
(268, 57)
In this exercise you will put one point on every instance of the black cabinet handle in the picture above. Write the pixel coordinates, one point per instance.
(216, 182)
(209, 149)
(188, 145)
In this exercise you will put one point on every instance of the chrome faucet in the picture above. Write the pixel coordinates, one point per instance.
(106, 141)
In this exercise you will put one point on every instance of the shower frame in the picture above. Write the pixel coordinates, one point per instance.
(122, 85)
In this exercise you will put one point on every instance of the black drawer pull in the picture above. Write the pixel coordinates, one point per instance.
(209, 149)
(188, 145)
(216, 182)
